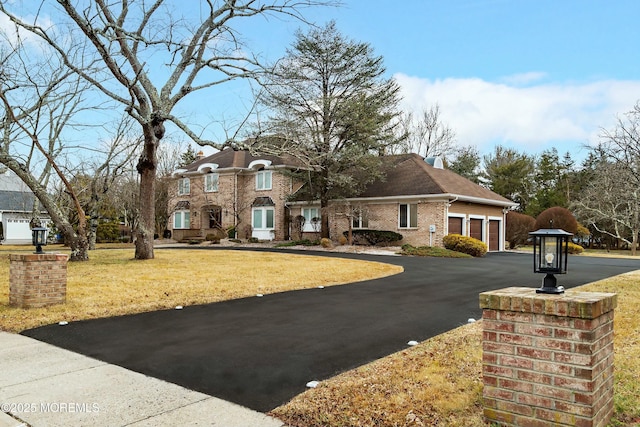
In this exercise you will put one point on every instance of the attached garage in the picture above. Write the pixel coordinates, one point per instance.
(494, 235)
(475, 228)
(455, 225)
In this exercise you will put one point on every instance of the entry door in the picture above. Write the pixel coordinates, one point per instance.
(494, 235)
(475, 228)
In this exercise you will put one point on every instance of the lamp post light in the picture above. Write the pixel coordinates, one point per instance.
(39, 238)
(550, 254)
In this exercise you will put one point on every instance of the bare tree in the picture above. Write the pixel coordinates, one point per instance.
(611, 203)
(427, 135)
(137, 44)
(39, 99)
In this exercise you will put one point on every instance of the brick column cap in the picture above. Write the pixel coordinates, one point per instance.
(572, 303)
(38, 257)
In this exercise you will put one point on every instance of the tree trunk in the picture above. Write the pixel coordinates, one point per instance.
(147, 165)
(78, 242)
(324, 218)
(634, 242)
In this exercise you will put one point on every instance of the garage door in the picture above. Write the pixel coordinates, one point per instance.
(494, 235)
(455, 225)
(475, 228)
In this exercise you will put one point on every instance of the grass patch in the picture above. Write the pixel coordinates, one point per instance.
(113, 283)
(439, 381)
(432, 251)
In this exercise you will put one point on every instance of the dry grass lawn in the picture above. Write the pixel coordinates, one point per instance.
(439, 381)
(112, 283)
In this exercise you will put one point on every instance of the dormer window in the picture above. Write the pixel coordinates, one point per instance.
(263, 180)
(184, 186)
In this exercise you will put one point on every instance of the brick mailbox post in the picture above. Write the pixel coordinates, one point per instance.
(37, 280)
(547, 359)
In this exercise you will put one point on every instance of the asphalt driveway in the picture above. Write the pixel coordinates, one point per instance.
(261, 351)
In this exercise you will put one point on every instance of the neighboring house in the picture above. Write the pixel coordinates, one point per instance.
(16, 210)
(419, 201)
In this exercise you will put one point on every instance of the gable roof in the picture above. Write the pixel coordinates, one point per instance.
(239, 159)
(410, 175)
(16, 201)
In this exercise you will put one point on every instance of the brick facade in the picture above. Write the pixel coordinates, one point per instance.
(235, 196)
(548, 359)
(37, 280)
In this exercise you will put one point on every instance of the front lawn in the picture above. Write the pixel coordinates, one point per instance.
(113, 283)
(439, 381)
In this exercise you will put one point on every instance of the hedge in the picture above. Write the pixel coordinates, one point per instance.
(464, 244)
(373, 237)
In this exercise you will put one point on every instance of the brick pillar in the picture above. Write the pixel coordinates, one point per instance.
(547, 359)
(37, 280)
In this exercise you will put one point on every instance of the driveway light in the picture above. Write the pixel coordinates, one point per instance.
(550, 254)
(39, 238)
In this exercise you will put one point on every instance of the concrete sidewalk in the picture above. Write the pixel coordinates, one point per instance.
(43, 385)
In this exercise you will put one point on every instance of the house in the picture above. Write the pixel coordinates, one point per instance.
(423, 202)
(17, 202)
(233, 190)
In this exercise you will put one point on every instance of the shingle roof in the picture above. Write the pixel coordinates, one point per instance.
(229, 158)
(16, 201)
(410, 175)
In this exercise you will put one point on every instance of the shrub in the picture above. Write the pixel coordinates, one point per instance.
(557, 217)
(231, 232)
(575, 249)
(431, 251)
(464, 244)
(374, 237)
(108, 232)
(253, 240)
(518, 227)
(342, 240)
(211, 237)
(326, 243)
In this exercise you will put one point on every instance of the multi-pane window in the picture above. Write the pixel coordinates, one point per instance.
(263, 218)
(311, 219)
(184, 186)
(408, 216)
(211, 182)
(181, 220)
(263, 180)
(359, 219)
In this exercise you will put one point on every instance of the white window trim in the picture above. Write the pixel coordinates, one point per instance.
(264, 173)
(182, 225)
(217, 181)
(308, 224)
(361, 217)
(264, 210)
(408, 227)
(181, 186)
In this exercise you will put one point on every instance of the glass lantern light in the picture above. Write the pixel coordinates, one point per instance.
(39, 237)
(550, 255)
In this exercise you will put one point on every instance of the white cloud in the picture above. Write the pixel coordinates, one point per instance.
(531, 118)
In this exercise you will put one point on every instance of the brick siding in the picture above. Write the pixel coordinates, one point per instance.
(548, 359)
(37, 280)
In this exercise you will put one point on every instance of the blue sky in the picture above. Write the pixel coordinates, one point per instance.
(529, 74)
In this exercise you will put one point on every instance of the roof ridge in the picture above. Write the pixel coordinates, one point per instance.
(428, 169)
